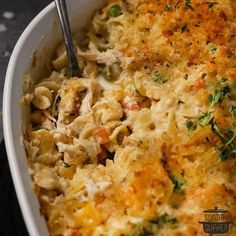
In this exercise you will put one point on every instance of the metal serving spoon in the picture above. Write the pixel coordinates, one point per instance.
(74, 69)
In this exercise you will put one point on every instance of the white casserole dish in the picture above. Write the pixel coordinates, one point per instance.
(39, 40)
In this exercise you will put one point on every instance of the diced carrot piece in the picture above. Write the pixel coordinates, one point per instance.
(102, 155)
(71, 232)
(130, 104)
(132, 107)
(201, 84)
(101, 135)
(127, 52)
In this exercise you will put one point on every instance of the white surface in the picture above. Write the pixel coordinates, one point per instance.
(42, 35)
(8, 15)
(2, 28)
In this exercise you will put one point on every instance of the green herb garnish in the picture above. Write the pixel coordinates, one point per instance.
(64, 72)
(187, 4)
(66, 165)
(103, 69)
(148, 227)
(102, 49)
(225, 90)
(114, 11)
(218, 95)
(213, 50)
(38, 127)
(215, 129)
(205, 119)
(145, 232)
(167, 219)
(159, 78)
(191, 125)
(178, 186)
(227, 153)
(184, 28)
(214, 98)
(222, 80)
(169, 7)
(211, 4)
(227, 136)
(186, 76)
(232, 109)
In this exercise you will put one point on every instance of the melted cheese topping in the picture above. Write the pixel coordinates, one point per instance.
(146, 140)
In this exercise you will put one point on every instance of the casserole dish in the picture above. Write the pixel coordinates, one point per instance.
(129, 147)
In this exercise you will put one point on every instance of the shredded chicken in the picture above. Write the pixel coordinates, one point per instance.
(109, 57)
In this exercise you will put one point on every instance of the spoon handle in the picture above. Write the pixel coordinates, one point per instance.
(74, 69)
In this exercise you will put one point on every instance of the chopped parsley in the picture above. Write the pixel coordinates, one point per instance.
(222, 80)
(186, 76)
(184, 28)
(145, 232)
(219, 94)
(187, 4)
(212, 50)
(227, 136)
(191, 125)
(178, 186)
(215, 129)
(114, 11)
(166, 219)
(102, 49)
(205, 119)
(225, 90)
(159, 78)
(104, 70)
(227, 153)
(66, 165)
(232, 109)
(214, 98)
(64, 71)
(169, 7)
(211, 4)
(38, 127)
(148, 227)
